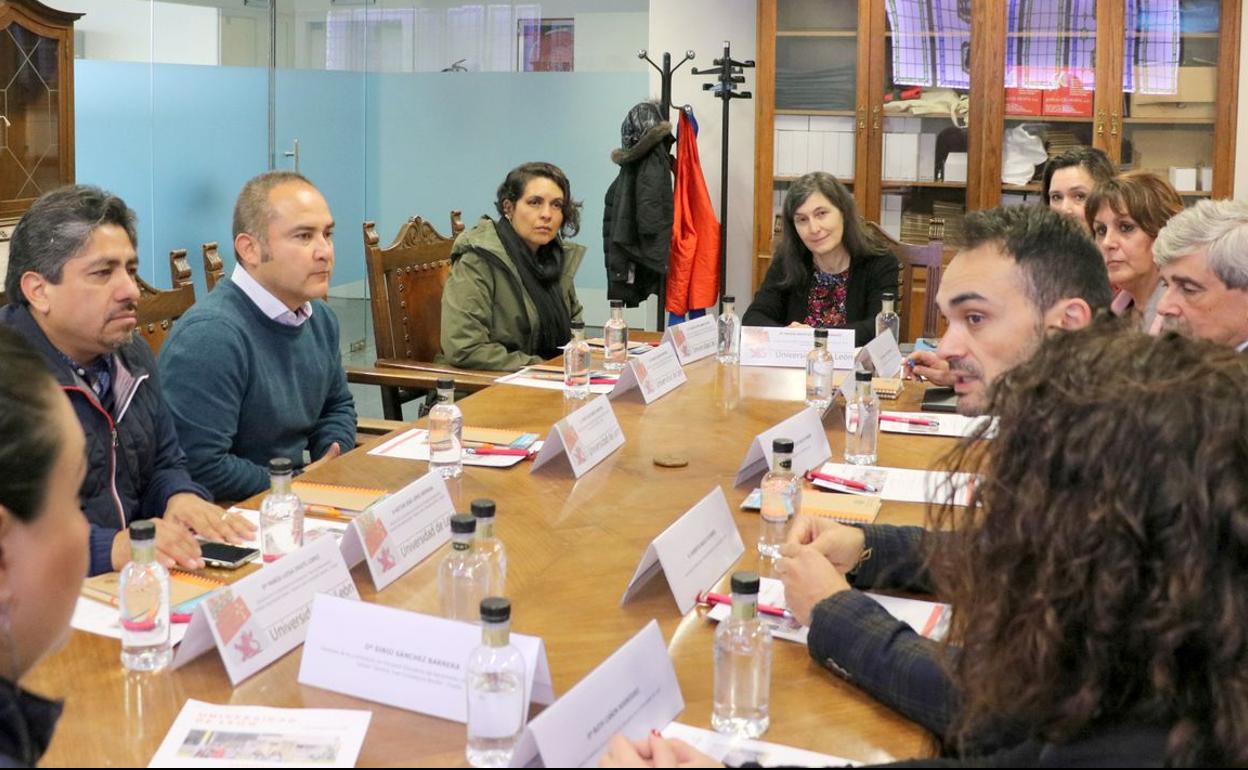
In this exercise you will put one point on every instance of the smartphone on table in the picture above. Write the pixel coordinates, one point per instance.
(225, 555)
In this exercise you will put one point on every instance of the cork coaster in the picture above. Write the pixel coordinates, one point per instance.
(671, 461)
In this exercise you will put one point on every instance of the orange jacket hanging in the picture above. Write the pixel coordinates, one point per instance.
(693, 272)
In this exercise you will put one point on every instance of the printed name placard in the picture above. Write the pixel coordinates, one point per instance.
(885, 356)
(656, 373)
(789, 346)
(587, 437)
(632, 692)
(265, 615)
(404, 659)
(694, 552)
(810, 445)
(695, 339)
(401, 531)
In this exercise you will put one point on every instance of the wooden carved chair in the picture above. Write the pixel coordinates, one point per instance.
(405, 282)
(214, 268)
(158, 309)
(928, 257)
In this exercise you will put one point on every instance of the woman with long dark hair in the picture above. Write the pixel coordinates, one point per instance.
(511, 298)
(827, 271)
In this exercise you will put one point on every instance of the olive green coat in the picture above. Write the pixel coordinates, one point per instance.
(488, 319)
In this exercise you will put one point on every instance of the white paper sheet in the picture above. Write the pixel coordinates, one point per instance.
(524, 379)
(903, 485)
(930, 619)
(207, 735)
(414, 445)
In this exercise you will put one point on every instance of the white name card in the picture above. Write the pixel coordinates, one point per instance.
(695, 339)
(404, 659)
(885, 355)
(632, 692)
(694, 552)
(789, 346)
(265, 615)
(810, 445)
(587, 437)
(657, 373)
(401, 530)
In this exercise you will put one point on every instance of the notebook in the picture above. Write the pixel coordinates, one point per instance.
(847, 509)
(343, 498)
(183, 587)
(887, 388)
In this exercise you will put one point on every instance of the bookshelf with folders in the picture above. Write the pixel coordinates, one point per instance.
(932, 108)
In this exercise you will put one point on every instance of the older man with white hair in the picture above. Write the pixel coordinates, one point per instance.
(1203, 256)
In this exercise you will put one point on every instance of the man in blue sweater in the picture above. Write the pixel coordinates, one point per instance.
(253, 371)
(73, 295)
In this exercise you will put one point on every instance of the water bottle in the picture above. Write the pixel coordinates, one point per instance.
(143, 602)
(446, 433)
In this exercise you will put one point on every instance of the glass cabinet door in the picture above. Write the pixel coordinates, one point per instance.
(1050, 86)
(1170, 75)
(30, 127)
(927, 92)
(816, 72)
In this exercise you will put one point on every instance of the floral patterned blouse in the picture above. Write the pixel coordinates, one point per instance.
(825, 305)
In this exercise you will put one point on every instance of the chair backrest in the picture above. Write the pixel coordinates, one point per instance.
(214, 268)
(159, 309)
(930, 258)
(405, 281)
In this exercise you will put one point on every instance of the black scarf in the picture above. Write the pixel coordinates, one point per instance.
(540, 273)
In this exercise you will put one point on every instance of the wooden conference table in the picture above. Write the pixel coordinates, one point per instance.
(572, 547)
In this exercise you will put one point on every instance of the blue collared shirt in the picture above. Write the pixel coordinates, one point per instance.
(270, 305)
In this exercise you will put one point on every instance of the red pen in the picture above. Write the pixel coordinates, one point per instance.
(604, 380)
(927, 421)
(847, 483)
(493, 450)
(706, 597)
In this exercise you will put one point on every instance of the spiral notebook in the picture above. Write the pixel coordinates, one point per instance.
(183, 587)
(847, 509)
(344, 498)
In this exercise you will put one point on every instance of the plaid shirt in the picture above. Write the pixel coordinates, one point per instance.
(858, 639)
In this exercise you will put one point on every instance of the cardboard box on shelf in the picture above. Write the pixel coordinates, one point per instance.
(1068, 101)
(1024, 101)
(927, 157)
(1193, 98)
(792, 123)
(901, 156)
(1183, 179)
(1157, 149)
(834, 123)
(955, 167)
(792, 148)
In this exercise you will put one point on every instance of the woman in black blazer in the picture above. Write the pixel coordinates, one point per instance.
(827, 270)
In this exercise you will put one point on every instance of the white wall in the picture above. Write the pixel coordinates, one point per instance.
(142, 30)
(703, 26)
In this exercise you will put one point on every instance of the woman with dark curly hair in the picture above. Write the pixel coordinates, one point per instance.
(511, 299)
(1098, 575)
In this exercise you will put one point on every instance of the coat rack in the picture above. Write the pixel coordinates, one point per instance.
(729, 73)
(665, 105)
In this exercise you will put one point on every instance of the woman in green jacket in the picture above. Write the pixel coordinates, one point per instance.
(510, 300)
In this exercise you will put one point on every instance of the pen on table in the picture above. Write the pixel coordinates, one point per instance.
(847, 483)
(928, 421)
(491, 450)
(326, 512)
(706, 597)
